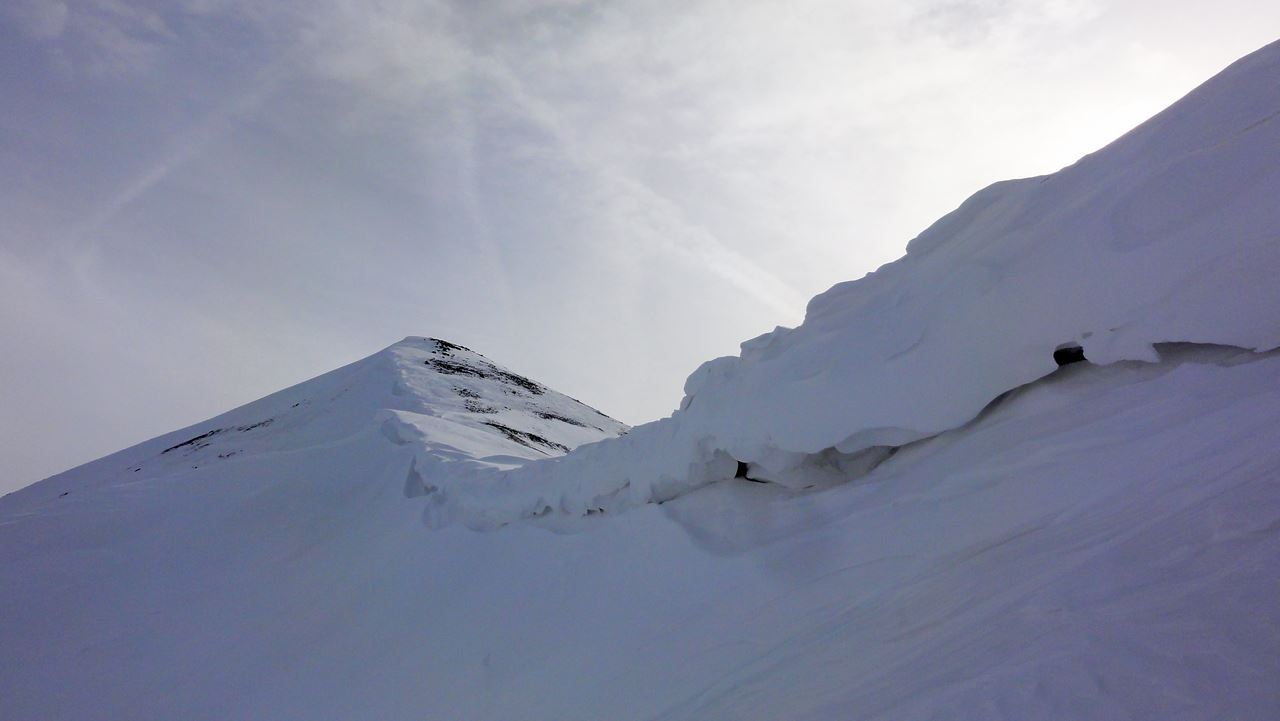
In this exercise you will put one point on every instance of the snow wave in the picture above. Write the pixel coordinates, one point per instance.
(1167, 235)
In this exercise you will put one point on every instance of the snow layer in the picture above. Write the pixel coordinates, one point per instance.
(1102, 544)
(450, 403)
(1169, 234)
(1098, 541)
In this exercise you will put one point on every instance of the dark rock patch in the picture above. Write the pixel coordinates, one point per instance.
(527, 439)
(519, 381)
(445, 348)
(477, 407)
(557, 417)
(453, 368)
(197, 442)
(259, 424)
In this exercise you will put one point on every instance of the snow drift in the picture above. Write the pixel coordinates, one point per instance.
(1169, 234)
(1094, 541)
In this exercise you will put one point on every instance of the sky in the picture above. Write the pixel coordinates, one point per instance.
(204, 201)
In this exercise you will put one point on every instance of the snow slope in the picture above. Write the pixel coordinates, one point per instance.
(453, 403)
(952, 527)
(1169, 234)
(1103, 544)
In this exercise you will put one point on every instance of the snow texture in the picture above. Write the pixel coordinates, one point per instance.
(902, 509)
(450, 402)
(1169, 234)
(1101, 544)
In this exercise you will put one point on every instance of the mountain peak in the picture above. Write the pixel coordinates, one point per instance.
(452, 401)
(1028, 471)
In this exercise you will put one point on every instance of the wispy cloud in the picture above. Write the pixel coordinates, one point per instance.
(39, 19)
(417, 60)
(176, 152)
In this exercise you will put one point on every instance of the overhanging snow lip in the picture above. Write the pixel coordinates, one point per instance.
(561, 493)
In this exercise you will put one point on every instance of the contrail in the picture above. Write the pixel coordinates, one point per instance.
(190, 145)
(678, 237)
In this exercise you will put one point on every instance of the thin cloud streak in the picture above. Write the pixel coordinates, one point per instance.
(393, 43)
(86, 235)
(668, 230)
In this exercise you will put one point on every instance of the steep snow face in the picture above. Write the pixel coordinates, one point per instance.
(451, 403)
(458, 405)
(1169, 234)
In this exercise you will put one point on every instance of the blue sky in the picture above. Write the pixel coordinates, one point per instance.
(203, 201)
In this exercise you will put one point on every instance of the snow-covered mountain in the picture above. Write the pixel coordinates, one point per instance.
(1029, 471)
(453, 403)
(1167, 235)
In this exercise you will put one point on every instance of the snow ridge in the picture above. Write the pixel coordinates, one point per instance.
(447, 400)
(1099, 542)
(1167, 235)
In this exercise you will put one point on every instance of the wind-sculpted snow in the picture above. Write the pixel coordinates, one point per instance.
(1096, 541)
(1102, 544)
(1169, 234)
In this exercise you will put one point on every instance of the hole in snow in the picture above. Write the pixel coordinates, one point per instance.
(1067, 354)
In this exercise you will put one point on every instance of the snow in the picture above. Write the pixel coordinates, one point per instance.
(452, 402)
(1169, 234)
(936, 520)
(1101, 544)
